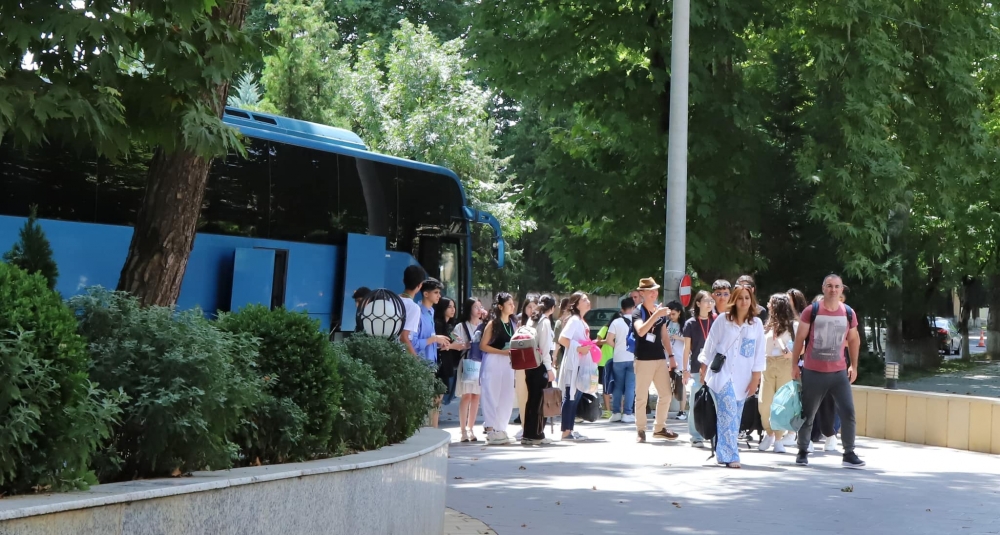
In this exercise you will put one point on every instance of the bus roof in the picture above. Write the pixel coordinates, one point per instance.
(321, 137)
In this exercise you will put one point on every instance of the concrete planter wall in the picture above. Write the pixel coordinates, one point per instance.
(946, 420)
(399, 489)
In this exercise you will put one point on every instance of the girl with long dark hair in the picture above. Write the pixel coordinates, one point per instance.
(779, 338)
(735, 348)
(574, 331)
(537, 379)
(467, 389)
(444, 325)
(695, 333)
(497, 375)
(528, 307)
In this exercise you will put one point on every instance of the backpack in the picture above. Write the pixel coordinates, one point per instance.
(706, 420)
(750, 421)
(474, 352)
(630, 337)
(812, 319)
(525, 353)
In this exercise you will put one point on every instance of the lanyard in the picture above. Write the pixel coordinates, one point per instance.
(704, 331)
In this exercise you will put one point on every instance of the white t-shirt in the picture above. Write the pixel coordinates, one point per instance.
(744, 348)
(776, 346)
(677, 346)
(620, 329)
(412, 323)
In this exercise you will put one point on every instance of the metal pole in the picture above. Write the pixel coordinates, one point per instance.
(674, 262)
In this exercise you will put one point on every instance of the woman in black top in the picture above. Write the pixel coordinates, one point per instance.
(444, 325)
(497, 375)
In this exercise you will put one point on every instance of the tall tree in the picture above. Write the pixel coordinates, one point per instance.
(184, 55)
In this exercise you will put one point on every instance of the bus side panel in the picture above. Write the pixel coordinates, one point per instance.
(395, 263)
(90, 254)
(87, 254)
(364, 266)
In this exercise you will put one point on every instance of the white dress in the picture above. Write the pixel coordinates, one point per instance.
(461, 386)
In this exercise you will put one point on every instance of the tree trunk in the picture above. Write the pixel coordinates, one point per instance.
(993, 324)
(966, 313)
(168, 218)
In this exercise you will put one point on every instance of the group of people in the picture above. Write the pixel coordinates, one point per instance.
(729, 342)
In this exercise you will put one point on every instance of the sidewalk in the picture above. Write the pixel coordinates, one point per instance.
(610, 484)
(983, 381)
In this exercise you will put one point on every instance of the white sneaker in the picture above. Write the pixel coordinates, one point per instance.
(766, 443)
(809, 449)
(790, 439)
(830, 444)
(628, 419)
(682, 416)
(496, 438)
(697, 443)
(519, 435)
(779, 447)
(616, 417)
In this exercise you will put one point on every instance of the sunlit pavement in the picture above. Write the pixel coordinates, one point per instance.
(611, 484)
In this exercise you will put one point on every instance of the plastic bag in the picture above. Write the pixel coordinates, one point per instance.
(786, 409)
(587, 376)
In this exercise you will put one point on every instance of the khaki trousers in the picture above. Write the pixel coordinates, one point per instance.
(777, 374)
(655, 372)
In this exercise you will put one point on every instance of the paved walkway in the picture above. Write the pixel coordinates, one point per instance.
(981, 381)
(610, 484)
(456, 523)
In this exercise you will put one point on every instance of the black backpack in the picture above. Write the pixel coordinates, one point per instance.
(750, 420)
(588, 409)
(706, 421)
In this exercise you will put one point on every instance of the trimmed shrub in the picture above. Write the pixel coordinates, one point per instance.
(361, 423)
(190, 385)
(408, 382)
(301, 368)
(32, 252)
(53, 417)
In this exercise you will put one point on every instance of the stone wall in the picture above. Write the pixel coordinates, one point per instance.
(399, 489)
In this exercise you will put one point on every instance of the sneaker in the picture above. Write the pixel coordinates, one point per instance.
(573, 435)
(606, 414)
(766, 443)
(742, 437)
(496, 438)
(809, 448)
(628, 419)
(665, 433)
(697, 443)
(519, 435)
(830, 444)
(616, 417)
(535, 441)
(641, 437)
(802, 458)
(790, 439)
(851, 460)
(682, 416)
(779, 447)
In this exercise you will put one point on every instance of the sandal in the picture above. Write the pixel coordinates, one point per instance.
(472, 436)
(733, 465)
(465, 437)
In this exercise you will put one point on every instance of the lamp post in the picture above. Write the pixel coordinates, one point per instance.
(382, 314)
(674, 261)
(891, 375)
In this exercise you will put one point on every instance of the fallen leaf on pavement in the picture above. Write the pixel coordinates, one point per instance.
(458, 477)
(675, 504)
(521, 468)
(489, 507)
(594, 487)
(849, 488)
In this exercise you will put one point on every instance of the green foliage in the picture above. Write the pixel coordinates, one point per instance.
(301, 370)
(190, 385)
(361, 423)
(304, 77)
(246, 94)
(32, 252)
(54, 418)
(408, 383)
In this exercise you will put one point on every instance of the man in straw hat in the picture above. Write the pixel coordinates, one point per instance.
(653, 360)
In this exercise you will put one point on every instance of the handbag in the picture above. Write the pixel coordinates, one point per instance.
(588, 409)
(470, 370)
(717, 362)
(552, 400)
(678, 384)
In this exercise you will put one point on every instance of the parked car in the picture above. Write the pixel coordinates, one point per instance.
(949, 339)
(598, 318)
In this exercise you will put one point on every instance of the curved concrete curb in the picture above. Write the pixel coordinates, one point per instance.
(375, 491)
(456, 523)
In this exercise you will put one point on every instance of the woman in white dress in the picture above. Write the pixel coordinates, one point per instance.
(467, 389)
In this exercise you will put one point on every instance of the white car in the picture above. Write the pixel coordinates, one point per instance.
(949, 339)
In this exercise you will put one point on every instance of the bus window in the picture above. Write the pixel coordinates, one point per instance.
(450, 272)
(121, 187)
(236, 201)
(61, 181)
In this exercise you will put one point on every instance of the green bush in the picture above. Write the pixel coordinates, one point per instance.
(361, 423)
(408, 383)
(190, 385)
(52, 417)
(300, 364)
(32, 252)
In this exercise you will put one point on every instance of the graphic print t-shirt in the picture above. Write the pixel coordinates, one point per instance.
(825, 352)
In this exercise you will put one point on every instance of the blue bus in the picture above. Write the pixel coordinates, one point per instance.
(308, 216)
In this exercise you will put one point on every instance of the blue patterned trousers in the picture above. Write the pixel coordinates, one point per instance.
(729, 412)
